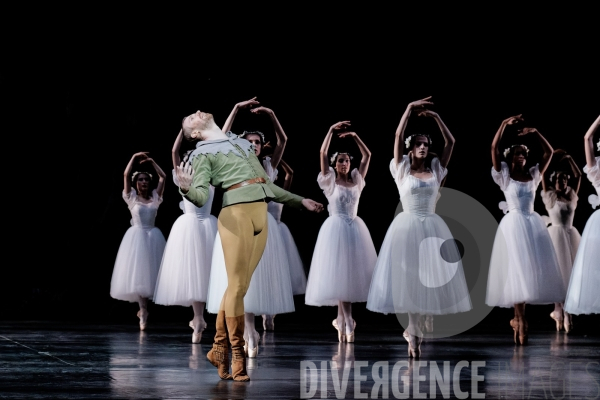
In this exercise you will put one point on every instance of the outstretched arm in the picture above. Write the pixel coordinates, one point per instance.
(364, 151)
(160, 188)
(279, 134)
(496, 160)
(576, 172)
(546, 147)
(175, 150)
(589, 143)
(129, 168)
(448, 138)
(327, 142)
(244, 104)
(289, 175)
(399, 141)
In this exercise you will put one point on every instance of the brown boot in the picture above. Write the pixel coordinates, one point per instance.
(219, 354)
(235, 327)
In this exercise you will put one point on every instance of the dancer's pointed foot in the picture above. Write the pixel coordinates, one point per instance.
(268, 322)
(341, 334)
(198, 325)
(251, 343)
(350, 336)
(568, 321)
(143, 316)
(414, 337)
(557, 316)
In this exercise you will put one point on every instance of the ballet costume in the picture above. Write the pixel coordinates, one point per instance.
(524, 267)
(140, 253)
(582, 294)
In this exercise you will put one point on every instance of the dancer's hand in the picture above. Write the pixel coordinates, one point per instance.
(339, 126)
(312, 205)
(185, 176)
(248, 103)
(427, 113)
(141, 154)
(147, 159)
(261, 110)
(513, 120)
(418, 104)
(346, 134)
(527, 131)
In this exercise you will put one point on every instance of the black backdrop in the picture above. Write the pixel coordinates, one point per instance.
(83, 107)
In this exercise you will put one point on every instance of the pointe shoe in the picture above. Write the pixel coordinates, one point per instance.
(414, 344)
(523, 333)
(350, 336)
(515, 325)
(429, 323)
(251, 353)
(143, 319)
(196, 337)
(268, 322)
(568, 321)
(558, 317)
(341, 336)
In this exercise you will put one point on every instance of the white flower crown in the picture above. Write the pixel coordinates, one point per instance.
(407, 141)
(515, 145)
(259, 133)
(334, 156)
(554, 173)
(139, 172)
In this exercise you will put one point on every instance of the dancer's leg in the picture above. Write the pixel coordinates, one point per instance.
(251, 335)
(143, 312)
(557, 315)
(198, 324)
(347, 311)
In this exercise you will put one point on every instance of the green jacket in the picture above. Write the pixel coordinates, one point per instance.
(225, 162)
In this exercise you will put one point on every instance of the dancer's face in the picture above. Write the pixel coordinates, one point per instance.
(519, 156)
(342, 164)
(142, 183)
(561, 181)
(255, 140)
(195, 123)
(421, 147)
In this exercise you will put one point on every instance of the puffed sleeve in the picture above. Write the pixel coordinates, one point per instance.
(327, 182)
(502, 177)
(593, 174)
(358, 179)
(130, 197)
(549, 198)
(535, 173)
(439, 171)
(400, 171)
(156, 198)
(271, 172)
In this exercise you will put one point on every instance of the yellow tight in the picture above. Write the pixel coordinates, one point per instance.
(243, 231)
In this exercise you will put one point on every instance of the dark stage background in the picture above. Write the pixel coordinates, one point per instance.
(83, 110)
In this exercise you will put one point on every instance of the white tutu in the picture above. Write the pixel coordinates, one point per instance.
(185, 268)
(344, 256)
(582, 296)
(270, 290)
(295, 263)
(140, 253)
(419, 268)
(523, 266)
(565, 237)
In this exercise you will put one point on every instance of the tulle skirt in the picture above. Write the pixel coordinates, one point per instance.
(583, 296)
(342, 263)
(524, 267)
(297, 273)
(185, 269)
(137, 264)
(270, 290)
(565, 241)
(419, 269)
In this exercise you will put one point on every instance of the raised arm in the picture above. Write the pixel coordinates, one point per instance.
(279, 134)
(129, 168)
(576, 171)
(289, 175)
(448, 138)
(364, 151)
(175, 150)
(546, 147)
(160, 188)
(496, 160)
(327, 142)
(244, 104)
(590, 160)
(399, 141)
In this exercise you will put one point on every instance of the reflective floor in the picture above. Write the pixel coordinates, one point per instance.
(81, 360)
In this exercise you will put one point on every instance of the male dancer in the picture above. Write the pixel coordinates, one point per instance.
(226, 161)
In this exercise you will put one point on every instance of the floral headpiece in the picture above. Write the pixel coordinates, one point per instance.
(408, 140)
(259, 133)
(506, 151)
(554, 174)
(334, 157)
(139, 172)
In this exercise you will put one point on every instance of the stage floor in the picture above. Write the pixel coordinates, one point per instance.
(43, 360)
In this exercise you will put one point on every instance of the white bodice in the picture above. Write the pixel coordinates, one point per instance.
(343, 201)
(143, 215)
(560, 210)
(520, 196)
(273, 207)
(418, 196)
(203, 212)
